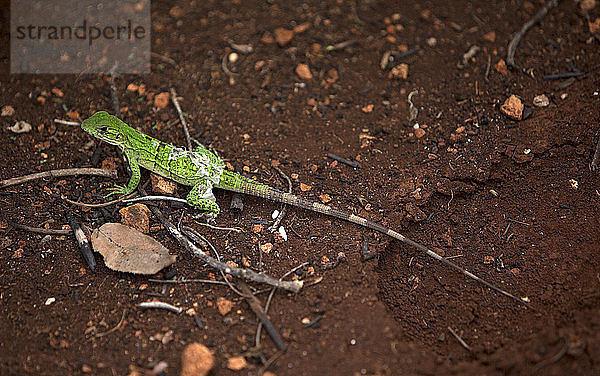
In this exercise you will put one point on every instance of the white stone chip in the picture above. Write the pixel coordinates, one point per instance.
(283, 233)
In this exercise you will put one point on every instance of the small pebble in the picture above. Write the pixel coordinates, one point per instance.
(283, 233)
(224, 305)
(501, 67)
(574, 183)
(513, 107)
(196, 360)
(236, 363)
(233, 57)
(303, 71)
(431, 42)
(275, 214)
(161, 100)
(266, 248)
(541, 100)
(283, 36)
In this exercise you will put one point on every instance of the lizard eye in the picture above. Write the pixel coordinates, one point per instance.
(103, 129)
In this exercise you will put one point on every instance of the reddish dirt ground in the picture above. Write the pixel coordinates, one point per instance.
(513, 201)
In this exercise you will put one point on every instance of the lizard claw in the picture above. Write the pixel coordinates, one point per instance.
(208, 217)
(116, 190)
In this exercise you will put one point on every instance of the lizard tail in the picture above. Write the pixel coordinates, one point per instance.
(237, 183)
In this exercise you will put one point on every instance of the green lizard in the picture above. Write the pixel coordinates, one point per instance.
(203, 170)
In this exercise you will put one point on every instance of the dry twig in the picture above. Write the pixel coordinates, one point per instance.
(82, 241)
(268, 303)
(254, 303)
(166, 59)
(293, 286)
(596, 158)
(160, 305)
(58, 173)
(101, 205)
(39, 230)
(116, 327)
(178, 281)
(460, 340)
(66, 122)
(554, 359)
(352, 164)
(186, 132)
(512, 46)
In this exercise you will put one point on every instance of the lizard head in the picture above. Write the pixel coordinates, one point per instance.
(106, 127)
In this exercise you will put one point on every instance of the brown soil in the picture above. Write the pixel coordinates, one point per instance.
(498, 195)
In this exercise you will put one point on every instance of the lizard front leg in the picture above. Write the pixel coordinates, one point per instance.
(202, 197)
(134, 180)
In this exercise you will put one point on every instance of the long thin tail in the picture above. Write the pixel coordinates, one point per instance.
(236, 183)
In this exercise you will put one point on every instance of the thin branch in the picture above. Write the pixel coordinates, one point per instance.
(268, 304)
(82, 242)
(235, 229)
(39, 230)
(554, 359)
(178, 281)
(293, 286)
(596, 158)
(101, 205)
(116, 327)
(59, 173)
(352, 164)
(254, 303)
(186, 132)
(512, 46)
(460, 340)
(66, 122)
(166, 59)
(155, 198)
(160, 305)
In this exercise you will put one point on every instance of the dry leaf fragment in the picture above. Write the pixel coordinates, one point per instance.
(127, 250)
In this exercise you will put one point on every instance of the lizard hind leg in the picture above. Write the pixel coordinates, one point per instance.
(201, 197)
